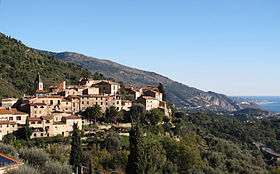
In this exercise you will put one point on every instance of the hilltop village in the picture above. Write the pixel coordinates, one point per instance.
(53, 112)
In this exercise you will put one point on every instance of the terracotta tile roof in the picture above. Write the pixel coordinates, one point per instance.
(9, 99)
(150, 88)
(16, 112)
(107, 82)
(41, 91)
(4, 122)
(72, 117)
(4, 111)
(37, 104)
(66, 100)
(53, 87)
(149, 98)
(73, 96)
(47, 117)
(33, 118)
(7, 122)
(136, 89)
(58, 123)
(12, 111)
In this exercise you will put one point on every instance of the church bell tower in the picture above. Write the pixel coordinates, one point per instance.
(38, 83)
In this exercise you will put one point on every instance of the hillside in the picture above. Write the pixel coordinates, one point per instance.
(183, 96)
(19, 65)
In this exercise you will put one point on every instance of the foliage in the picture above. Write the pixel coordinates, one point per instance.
(93, 113)
(19, 65)
(155, 116)
(184, 153)
(54, 167)
(137, 159)
(58, 152)
(137, 112)
(76, 151)
(113, 142)
(161, 89)
(111, 114)
(24, 133)
(23, 169)
(33, 156)
(8, 150)
(9, 138)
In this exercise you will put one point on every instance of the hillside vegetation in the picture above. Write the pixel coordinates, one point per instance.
(20, 64)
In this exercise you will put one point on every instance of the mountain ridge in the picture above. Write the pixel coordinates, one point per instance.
(183, 96)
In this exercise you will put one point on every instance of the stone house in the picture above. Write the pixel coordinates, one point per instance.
(107, 87)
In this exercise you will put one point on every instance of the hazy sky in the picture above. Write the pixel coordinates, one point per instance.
(226, 46)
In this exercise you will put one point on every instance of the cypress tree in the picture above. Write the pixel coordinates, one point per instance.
(161, 89)
(76, 150)
(137, 160)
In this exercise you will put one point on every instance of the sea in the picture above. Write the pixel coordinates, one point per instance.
(270, 103)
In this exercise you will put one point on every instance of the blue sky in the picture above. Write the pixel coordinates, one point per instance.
(226, 46)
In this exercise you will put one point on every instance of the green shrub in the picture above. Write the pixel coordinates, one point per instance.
(23, 169)
(34, 157)
(54, 167)
(8, 150)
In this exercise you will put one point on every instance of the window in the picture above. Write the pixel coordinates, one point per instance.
(35, 112)
(33, 122)
(39, 122)
(42, 134)
(51, 102)
(58, 102)
(48, 121)
(87, 102)
(101, 103)
(117, 102)
(18, 117)
(82, 102)
(11, 118)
